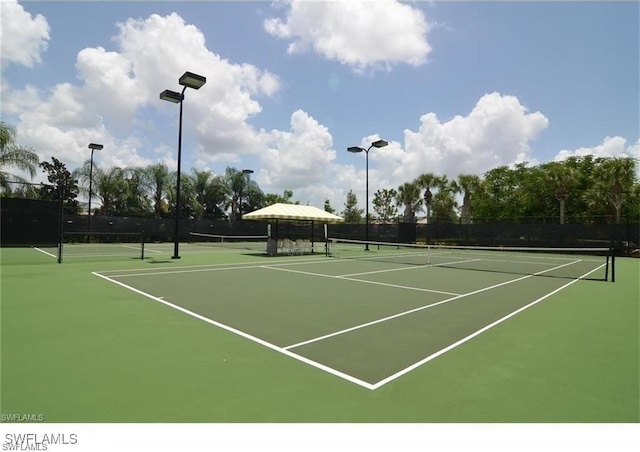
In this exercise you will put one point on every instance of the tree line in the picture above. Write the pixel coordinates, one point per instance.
(584, 189)
(138, 192)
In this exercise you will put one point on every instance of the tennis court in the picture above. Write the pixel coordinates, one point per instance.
(229, 334)
(368, 320)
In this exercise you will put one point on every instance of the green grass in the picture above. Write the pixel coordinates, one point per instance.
(77, 348)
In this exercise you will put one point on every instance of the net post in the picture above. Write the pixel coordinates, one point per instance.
(613, 265)
(60, 221)
(142, 246)
(326, 239)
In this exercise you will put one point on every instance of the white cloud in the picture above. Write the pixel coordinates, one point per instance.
(118, 88)
(610, 147)
(55, 123)
(115, 84)
(159, 49)
(23, 37)
(303, 160)
(369, 34)
(496, 132)
(109, 83)
(298, 158)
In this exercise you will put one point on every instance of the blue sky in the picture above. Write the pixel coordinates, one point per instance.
(455, 87)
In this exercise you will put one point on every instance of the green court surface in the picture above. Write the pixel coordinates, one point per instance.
(231, 335)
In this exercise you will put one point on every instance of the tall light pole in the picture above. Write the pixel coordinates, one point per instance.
(244, 172)
(355, 149)
(93, 147)
(188, 80)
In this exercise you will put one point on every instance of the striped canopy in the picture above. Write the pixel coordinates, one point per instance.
(292, 212)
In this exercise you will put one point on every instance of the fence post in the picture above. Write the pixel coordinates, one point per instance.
(60, 220)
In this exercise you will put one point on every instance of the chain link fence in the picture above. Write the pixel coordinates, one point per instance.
(34, 223)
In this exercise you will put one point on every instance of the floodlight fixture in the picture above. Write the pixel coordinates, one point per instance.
(188, 80)
(356, 149)
(191, 80)
(93, 147)
(171, 96)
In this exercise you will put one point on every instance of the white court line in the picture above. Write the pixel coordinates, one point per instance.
(397, 286)
(379, 258)
(478, 332)
(364, 281)
(128, 275)
(308, 361)
(409, 268)
(281, 261)
(146, 249)
(338, 373)
(138, 248)
(43, 251)
(209, 269)
(71, 255)
(421, 308)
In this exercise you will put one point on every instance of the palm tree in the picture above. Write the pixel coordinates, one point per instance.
(13, 155)
(133, 198)
(202, 182)
(108, 185)
(444, 202)
(426, 181)
(561, 179)
(187, 197)
(409, 197)
(616, 177)
(253, 197)
(156, 179)
(237, 187)
(209, 194)
(467, 184)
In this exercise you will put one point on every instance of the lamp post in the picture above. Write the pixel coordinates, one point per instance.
(93, 147)
(188, 80)
(247, 172)
(355, 149)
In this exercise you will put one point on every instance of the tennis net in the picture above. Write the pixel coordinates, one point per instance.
(239, 242)
(572, 263)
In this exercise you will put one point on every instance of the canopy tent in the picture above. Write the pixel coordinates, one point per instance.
(291, 212)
